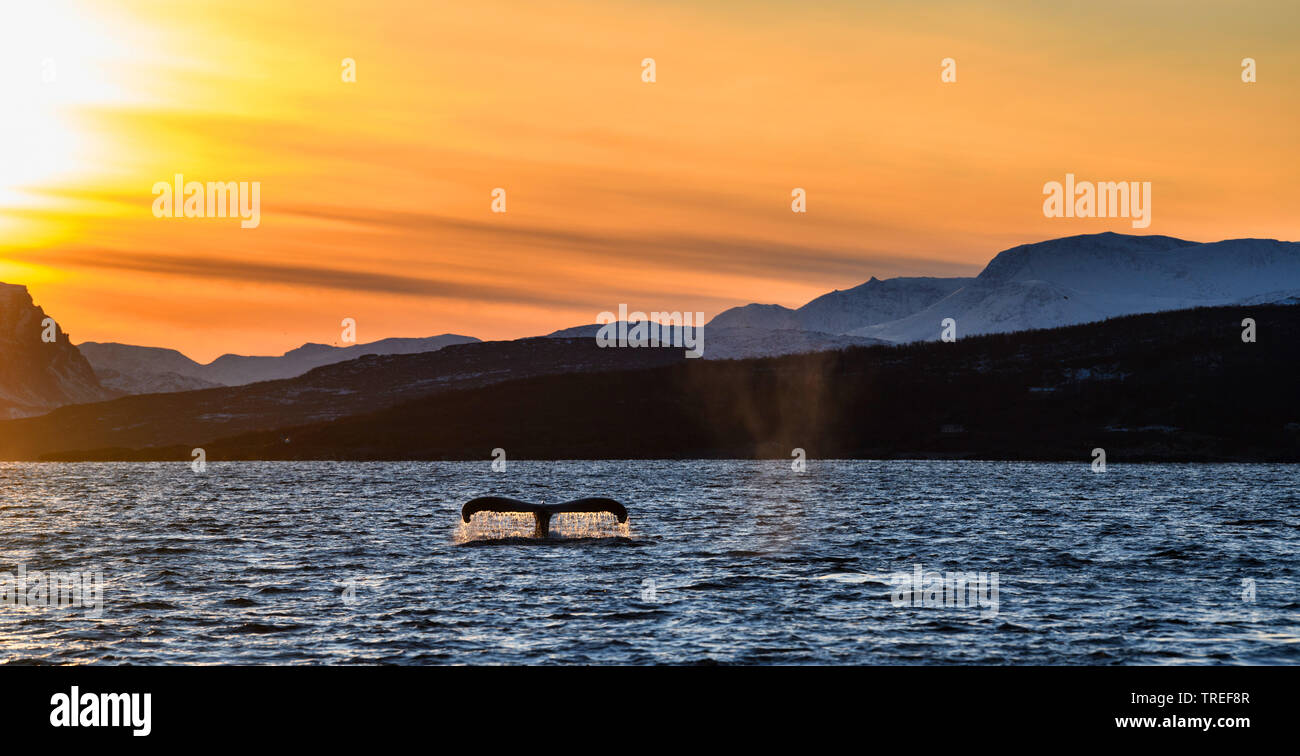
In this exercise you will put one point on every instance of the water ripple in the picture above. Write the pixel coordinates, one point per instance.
(722, 562)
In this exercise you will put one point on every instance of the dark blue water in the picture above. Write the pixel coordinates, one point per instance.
(751, 563)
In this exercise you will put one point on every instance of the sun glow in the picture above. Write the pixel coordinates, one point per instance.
(57, 59)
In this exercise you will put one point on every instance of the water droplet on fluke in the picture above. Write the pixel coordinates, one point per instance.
(564, 525)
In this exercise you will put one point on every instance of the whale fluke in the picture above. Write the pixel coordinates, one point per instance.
(542, 512)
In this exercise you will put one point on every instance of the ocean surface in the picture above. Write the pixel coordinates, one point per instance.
(720, 562)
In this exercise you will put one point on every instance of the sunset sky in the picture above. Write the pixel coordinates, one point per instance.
(672, 195)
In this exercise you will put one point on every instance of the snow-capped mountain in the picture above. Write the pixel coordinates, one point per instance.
(143, 370)
(873, 302)
(150, 383)
(1076, 279)
(1081, 279)
(38, 375)
(137, 369)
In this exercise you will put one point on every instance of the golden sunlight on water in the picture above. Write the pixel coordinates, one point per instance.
(497, 525)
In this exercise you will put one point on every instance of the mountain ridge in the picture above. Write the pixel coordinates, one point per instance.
(1168, 386)
(842, 311)
(1081, 279)
(1050, 283)
(37, 375)
(140, 369)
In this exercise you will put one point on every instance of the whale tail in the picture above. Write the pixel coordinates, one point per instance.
(542, 512)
